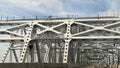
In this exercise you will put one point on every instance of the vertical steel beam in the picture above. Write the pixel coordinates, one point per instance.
(38, 51)
(31, 50)
(26, 43)
(67, 41)
(11, 58)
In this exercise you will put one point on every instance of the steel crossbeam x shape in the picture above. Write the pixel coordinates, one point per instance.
(62, 40)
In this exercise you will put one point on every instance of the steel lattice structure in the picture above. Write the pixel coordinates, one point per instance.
(62, 40)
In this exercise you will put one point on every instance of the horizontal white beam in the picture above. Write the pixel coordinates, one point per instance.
(99, 19)
(97, 37)
(62, 20)
(11, 39)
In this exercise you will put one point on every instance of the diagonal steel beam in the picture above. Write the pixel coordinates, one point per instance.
(58, 25)
(42, 32)
(84, 24)
(84, 32)
(40, 25)
(111, 31)
(112, 24)
(50, 29)
(26, 43)
(57, 32)
(14, 33)
(14, 52)
(17, 26)
(11, 33)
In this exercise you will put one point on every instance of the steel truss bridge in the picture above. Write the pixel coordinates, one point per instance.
(62, 40)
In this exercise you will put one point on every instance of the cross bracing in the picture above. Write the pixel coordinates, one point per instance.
(76, 40)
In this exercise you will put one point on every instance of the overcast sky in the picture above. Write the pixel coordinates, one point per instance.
(41, 8)
(31, 8)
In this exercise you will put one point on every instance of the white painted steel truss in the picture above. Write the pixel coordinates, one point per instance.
(51, 41)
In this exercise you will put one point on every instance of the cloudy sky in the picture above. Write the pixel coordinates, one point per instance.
(41, 8)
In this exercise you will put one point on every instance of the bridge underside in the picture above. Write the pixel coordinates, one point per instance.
(83, 41)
